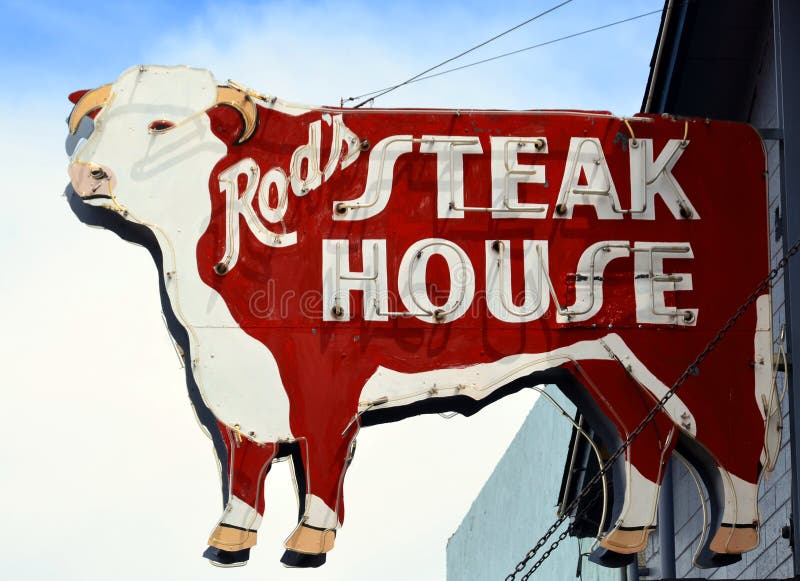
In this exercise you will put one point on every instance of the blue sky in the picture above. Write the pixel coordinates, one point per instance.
(62, 38)
(109, 475)
(64, 46)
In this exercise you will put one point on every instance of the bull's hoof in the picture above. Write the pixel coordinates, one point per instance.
(734, 539)
(611, 559)
(223, 558)
(232, 539)
(626, 541)
(294, 559)
(707, 559)
(310, 540)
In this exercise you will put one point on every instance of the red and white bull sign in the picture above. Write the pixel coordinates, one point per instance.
(331, 268)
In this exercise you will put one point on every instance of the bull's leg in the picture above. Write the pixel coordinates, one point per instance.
(325, 460)
(740, 431)
(739, 529)
(626, 402)
(235, 534)
(639, 513)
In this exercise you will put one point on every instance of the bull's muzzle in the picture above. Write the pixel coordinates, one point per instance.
(92, 181)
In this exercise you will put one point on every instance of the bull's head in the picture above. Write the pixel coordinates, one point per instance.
(152, 140)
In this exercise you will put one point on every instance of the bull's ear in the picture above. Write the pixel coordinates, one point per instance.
(247, 109)
(87, 103)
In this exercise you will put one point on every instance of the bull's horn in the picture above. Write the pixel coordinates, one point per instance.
(91, 101)
(240, 101)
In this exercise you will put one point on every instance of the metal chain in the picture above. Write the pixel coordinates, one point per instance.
(565, 533)
(530, 554)
(690, 370)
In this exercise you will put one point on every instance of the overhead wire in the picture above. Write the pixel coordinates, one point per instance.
(382, 92)
(372, 95)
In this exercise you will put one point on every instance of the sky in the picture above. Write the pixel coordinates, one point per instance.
(104, 473)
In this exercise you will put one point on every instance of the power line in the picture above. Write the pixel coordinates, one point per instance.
(541, 44)
(423, 76)
(451, 59)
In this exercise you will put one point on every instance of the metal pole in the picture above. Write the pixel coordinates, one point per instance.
(631, 572)
(666, 525)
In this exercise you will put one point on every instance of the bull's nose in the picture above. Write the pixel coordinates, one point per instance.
(91, 181)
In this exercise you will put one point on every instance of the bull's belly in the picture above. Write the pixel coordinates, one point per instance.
(388, 388)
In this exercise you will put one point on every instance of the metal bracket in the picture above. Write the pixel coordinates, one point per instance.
(772, 133)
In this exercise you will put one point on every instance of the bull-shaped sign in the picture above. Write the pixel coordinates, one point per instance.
(324, 269)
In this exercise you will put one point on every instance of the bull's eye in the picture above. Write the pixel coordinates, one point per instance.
(160, 125)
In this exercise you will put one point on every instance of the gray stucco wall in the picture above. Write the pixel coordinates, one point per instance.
(773, 557)
(517, 505)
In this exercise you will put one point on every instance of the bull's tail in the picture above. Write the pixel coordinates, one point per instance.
(766, 392)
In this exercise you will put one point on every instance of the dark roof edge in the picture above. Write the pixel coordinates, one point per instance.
(664, 53)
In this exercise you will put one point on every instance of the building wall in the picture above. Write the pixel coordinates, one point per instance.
(518, 504)
(773, 557)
